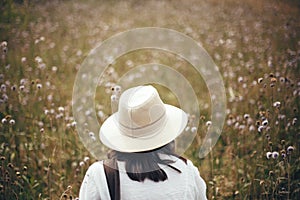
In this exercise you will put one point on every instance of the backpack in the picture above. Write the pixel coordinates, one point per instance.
(113, 178)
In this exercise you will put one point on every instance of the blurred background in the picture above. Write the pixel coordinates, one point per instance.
(256, 45)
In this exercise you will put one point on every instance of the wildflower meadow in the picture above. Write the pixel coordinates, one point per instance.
(255, 44)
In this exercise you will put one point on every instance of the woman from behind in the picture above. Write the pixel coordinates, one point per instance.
(142, 163)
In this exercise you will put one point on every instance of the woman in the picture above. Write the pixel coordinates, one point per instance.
(142, 163)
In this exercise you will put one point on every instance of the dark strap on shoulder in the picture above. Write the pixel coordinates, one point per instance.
(183, 159)
(112, 178)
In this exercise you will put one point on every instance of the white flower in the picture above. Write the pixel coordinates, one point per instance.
(39, 86)
(73, 124)
(23, 59)
(276, 104)
(240, 79)
(294, 121)
(86, 159)
(252, 128)
(265, 122)
(269, 155)
(208, 123)
(194, 129)
(100, 114)
(22, 87)
(113, 97)
(12, 122)
(5, 97)
(229, 122)
(91, 134)
(246, 116)
(290, 149)
(23, 81)
(4, 44)
(13, 88)
(3, 87)
(81, 163)
(41, 124)
(38, 59)
(4, 120)
(61, 109)
(117, 88)
(242, 127)
(59, 116)
(275, 154)
(50, 97)
(260, 128)
(54, 68)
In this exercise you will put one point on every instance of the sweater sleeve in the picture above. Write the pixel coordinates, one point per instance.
(94, 185)
(88, 189)
(200, 185)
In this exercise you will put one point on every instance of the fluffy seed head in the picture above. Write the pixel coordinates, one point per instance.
(260, 129)
(4, 120)
(275, 154)
(39, 86)
(12, 122)
(290, 148)
(61, 109)
(86, 159)
(265, 122)
(81, 164)
(208, 123)
(269, 155)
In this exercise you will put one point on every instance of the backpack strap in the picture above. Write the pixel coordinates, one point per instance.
(183, 159)
(112, 178)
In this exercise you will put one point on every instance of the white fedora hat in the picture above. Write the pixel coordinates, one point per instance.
(143, 122)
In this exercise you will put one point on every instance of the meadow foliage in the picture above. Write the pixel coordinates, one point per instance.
(256, 45)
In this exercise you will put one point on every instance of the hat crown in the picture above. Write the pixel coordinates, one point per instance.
(143, 122)
(140, 107)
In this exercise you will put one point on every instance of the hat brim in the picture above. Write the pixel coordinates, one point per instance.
(112, 137)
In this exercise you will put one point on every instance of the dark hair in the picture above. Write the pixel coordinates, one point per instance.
(142, 165)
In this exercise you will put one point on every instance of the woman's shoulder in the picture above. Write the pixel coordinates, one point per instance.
(94, 183)
(95, 167)
(179, 160)
(95, 172)
(181, 163)
(191, 165)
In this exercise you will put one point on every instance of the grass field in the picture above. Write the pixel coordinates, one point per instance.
(256, 45)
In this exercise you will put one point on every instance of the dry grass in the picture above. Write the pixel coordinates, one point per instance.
(255, 43)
